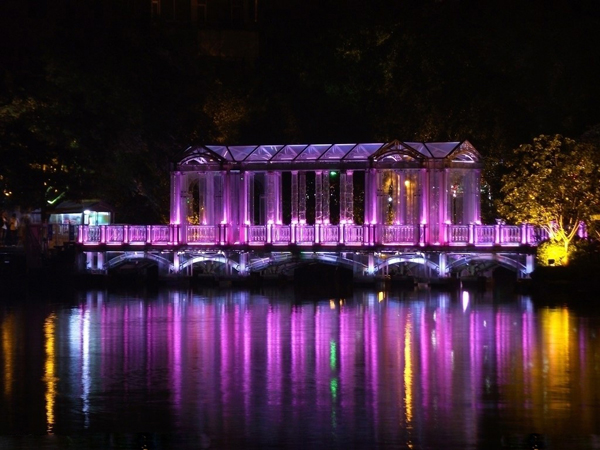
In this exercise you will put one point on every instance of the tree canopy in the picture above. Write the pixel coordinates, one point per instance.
(554, 183)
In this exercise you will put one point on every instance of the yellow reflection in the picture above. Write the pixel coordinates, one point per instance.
(408, 373)
(8, 349)
(380, 296)
(557, 354)
(50, 371)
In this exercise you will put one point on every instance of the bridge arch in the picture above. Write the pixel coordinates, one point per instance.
(161, 261)
(291, 261)
(501, 260)
(420, 259)
(218, 258)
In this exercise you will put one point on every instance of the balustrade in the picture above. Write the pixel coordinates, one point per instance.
(510, 234)
(115, 234)
(458, 234)
(257, 234)
(160, 234)
(330, 234)
(353, 234)
(348, 234)
(485, 234)
(400, 234)
(137, 234)
(282, 234)
(202, 234)
(305, 234)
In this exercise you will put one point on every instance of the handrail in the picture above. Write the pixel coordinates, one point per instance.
(300, 234)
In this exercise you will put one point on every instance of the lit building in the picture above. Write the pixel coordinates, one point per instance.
(365, 193)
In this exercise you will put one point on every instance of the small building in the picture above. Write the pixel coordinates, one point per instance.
(87, 212)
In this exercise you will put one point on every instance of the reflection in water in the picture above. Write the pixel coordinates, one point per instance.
(8, 350)
(50, 371)
(408, 377)
(380, 370)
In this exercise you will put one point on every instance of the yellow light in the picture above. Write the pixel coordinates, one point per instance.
(408, 372)
(8, 348)
(50, 372)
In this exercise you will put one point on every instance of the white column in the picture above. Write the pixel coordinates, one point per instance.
(325, 196)
(529, 263)
(225, 213)
(100, 261)
(278, 198)
(318, 197)
(302, 197)
(242, 207)
(243, 264)
(249, 214)
(346, 197)
(210, 198)
(89, 260)
(270, 181)
(175, 197)
(443, 265)
(294, 194)
(371, 196)
(444, 193)
(371, 264)
(401, 198)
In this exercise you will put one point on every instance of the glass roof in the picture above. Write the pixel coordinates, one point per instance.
(331, 153)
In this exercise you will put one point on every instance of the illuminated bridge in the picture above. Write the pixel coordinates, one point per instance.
(397, 209)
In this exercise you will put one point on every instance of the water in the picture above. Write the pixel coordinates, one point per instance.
(185, 369)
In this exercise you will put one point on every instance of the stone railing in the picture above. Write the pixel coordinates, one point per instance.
(304, 235)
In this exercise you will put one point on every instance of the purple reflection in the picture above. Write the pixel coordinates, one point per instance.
(256, 370)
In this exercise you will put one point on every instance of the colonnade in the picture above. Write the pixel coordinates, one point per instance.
(430, 197)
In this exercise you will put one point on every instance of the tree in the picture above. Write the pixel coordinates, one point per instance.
(552, 183)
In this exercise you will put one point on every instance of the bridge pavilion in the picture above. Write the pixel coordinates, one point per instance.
(406, 208)
(378, 208)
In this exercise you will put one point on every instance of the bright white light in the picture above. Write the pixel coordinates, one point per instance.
(465, 300)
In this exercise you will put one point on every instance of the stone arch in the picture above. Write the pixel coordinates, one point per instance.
(129, 256)
(292, 261)
(219, 258)
(501, 260)
(417, 259)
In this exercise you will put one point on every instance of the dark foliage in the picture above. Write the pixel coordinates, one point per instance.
(95, 102)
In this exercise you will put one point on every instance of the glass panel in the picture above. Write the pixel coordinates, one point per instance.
(312, 152)
(337, 152)
(239, 153)
(220, 150)
(441, 149)
(289, 152)
(421, 148)
(362, 152)
(264, 152)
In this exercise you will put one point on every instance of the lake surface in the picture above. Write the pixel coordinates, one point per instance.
(227, 369)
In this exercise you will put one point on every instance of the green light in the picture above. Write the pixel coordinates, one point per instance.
(333, 386)
(333, 173)
(332, 355)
